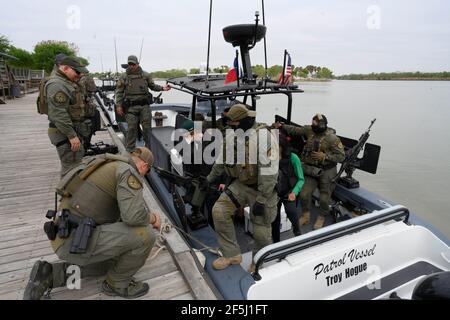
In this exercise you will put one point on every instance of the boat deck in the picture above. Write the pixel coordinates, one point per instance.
(29, 171)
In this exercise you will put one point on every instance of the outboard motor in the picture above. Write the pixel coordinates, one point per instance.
(433, 287)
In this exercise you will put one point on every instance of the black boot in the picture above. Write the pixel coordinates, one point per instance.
(41, 281)
(135, 289)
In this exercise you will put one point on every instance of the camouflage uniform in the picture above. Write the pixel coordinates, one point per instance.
(68, 118)
(88, 88)
(133, 95)
(251, 185)
(107, 189)
(318, 173)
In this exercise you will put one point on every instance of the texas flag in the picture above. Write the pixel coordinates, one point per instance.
(233, 74)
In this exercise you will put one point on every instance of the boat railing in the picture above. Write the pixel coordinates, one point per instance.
(282, 249)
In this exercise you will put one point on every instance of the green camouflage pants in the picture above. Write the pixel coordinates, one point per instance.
(326, 187)
(68, 158)
(116, 250)
(138, 115)
(224, 210)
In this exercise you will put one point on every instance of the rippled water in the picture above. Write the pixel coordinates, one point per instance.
(412, 128)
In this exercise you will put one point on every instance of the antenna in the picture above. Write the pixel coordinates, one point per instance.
(209, 42)
(101, 61)
(115, 50)
(265, 44)
(140, 54)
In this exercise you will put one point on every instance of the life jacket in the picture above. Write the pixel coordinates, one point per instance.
(93, 198)
(286, 178)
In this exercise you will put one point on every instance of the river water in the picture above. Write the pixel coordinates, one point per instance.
(412, 129)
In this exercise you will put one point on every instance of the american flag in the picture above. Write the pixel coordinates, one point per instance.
(287, 73)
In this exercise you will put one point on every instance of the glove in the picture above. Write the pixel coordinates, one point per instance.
(318, 156)
(258, 209)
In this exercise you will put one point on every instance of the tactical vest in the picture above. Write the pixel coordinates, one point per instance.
(246, 173)
(77, 106)
(136, 87)
(89, 190)
(317, 143)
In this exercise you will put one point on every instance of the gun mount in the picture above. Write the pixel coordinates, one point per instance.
(368, 163)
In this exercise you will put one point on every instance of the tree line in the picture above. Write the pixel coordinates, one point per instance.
(43, 55)
(398, 76)
(273, 72)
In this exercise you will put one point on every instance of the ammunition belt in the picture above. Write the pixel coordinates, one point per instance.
(138, 103)
(328, 167)
(59, 144)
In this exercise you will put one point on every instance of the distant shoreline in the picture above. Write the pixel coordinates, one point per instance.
(398, 79)
(330, 80)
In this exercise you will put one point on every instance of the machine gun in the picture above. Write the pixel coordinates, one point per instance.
(101, 148)
(351, 161)
(195, 194)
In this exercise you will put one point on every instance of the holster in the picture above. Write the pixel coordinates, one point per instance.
(311, 171)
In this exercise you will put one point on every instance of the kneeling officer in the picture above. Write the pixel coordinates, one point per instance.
(106, 191)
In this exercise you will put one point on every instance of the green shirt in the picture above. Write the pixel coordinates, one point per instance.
(296, 163)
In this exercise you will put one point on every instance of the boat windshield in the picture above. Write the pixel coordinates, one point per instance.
(204, 107)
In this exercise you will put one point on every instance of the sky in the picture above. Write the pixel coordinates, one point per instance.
(347, 36)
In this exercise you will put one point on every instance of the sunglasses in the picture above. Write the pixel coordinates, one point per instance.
(76, 71)
(131, 64)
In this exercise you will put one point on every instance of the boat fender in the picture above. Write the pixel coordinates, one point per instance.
(433, 287)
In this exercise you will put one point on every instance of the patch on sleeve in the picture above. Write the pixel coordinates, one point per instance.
(60, 97)
(134, 183)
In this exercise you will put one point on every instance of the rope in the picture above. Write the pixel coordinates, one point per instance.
(167, 228)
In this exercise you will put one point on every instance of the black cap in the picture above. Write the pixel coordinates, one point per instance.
(59, 57)
(75, 63)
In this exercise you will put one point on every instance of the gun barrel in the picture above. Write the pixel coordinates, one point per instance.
(354, 152)
(371, 124)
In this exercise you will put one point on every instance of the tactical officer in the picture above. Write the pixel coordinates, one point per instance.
(108, 189)
(321, 153)
(67, 112)
(253, 183)
(89, 88)
(133, 100)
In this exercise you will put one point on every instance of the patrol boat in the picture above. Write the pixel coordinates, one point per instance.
(371, 248)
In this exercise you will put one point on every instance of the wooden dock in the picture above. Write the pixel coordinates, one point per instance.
(29, 172)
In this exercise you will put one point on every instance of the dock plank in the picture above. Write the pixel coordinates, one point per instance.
(29, 172)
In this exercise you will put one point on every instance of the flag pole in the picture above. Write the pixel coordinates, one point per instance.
(265, 45)
(209, 42)
(237, 71)
(284, 66)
